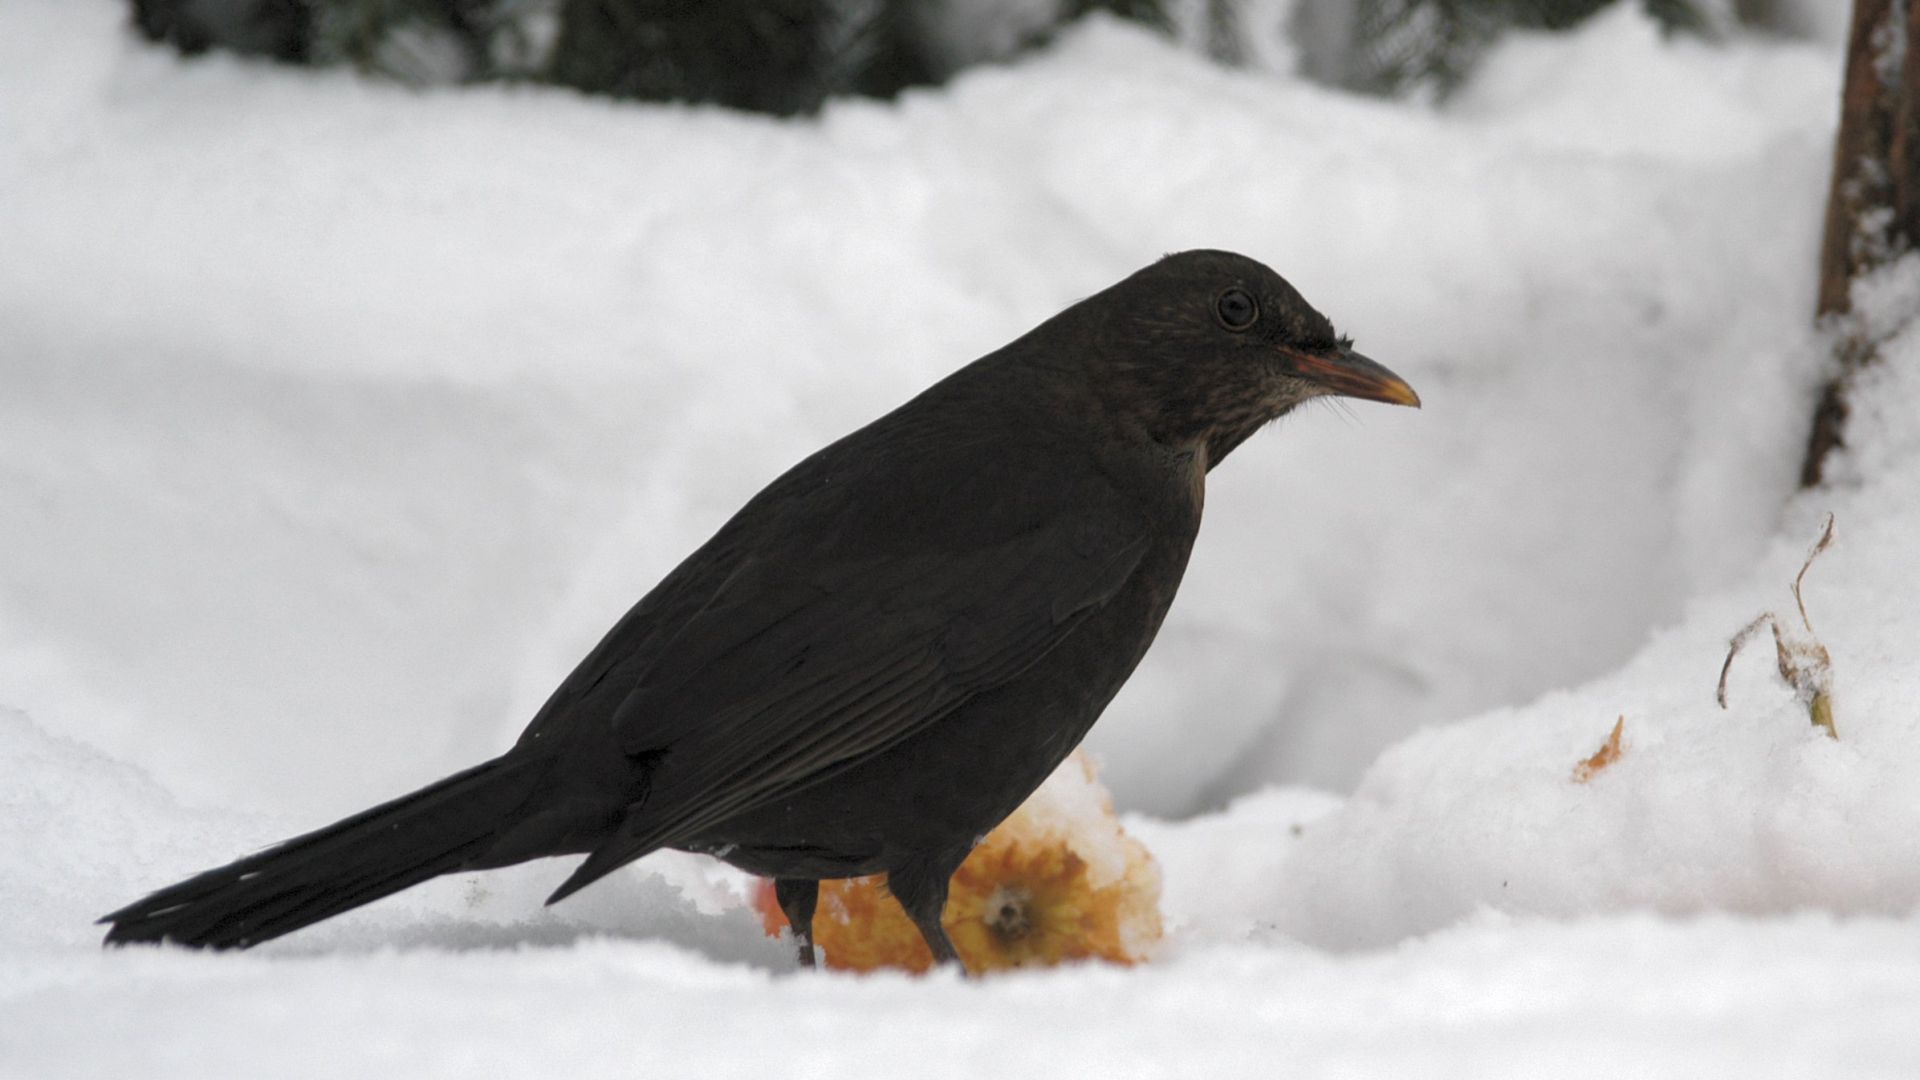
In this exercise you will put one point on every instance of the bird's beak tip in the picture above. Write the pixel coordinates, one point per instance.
(1349, 374)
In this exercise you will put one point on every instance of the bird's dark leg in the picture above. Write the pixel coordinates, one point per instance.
(922, 893)
(797, 897)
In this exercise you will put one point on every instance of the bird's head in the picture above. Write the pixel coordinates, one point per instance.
(1204, 347)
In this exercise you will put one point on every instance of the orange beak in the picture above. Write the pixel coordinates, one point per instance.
(1349, 374)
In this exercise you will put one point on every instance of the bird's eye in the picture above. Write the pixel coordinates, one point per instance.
(1236, 309)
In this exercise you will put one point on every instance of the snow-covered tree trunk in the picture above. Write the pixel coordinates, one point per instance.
(1873, 205)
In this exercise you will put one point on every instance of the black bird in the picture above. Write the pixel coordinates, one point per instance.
(885, 651)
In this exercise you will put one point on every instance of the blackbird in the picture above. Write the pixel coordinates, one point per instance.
(885, 651)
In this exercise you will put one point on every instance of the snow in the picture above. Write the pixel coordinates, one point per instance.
(337, 420)
(1654, 999)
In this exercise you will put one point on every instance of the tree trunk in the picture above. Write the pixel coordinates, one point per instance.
(1873, 206)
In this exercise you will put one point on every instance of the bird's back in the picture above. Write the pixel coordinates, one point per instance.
(928, 613)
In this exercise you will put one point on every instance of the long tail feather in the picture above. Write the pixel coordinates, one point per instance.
(442, 828)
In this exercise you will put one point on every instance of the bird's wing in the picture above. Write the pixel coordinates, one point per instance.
(806, 660)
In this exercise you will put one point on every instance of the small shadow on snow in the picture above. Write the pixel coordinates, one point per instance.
(509, 915)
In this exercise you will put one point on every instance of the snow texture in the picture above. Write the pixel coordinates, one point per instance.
(337, 420)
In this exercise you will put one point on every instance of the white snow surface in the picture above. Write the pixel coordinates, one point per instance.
(337, 420)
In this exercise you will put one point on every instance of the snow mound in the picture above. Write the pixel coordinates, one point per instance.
(1750, 809)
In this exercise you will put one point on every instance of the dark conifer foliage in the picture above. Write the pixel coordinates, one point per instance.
(788, 57)
(1432, 45)
(281, 29)
(762, 55)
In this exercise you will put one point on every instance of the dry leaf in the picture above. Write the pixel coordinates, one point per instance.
(1608, 753)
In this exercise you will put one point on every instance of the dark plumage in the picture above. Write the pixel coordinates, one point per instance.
(885, 651)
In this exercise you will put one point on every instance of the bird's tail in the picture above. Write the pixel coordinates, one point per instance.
(443, 827)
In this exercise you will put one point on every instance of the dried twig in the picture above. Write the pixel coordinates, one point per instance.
(1803, 661)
